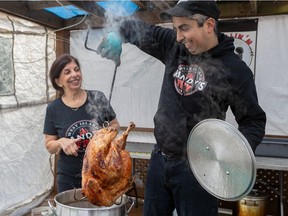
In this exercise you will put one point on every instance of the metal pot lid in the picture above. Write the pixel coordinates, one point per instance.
(221, 159)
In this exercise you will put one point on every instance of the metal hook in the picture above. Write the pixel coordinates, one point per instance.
(82, 198)
(117, 202)
(105, 124)
(86, 41)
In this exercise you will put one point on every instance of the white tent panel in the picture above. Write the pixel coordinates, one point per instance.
(24, 161)
(25, 166)
(271, 75)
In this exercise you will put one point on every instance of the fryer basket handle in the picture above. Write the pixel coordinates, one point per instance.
(53, 208)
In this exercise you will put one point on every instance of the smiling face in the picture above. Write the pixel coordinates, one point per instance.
(197, 39)
(70, 77)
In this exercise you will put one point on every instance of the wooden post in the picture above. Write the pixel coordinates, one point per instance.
(62, 42)
(62, 46)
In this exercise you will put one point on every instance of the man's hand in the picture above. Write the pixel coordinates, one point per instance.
(111, 47)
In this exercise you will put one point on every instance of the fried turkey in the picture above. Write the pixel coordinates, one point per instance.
(107, 167)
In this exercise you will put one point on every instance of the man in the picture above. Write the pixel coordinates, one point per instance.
(203, 77)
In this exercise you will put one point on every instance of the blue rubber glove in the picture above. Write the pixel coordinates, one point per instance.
(111, 47)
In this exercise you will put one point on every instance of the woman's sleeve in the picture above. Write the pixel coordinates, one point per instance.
(49, 127)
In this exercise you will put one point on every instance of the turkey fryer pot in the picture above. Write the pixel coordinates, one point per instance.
(67, 204)
(221, 159)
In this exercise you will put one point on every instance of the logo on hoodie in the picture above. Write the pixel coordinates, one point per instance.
(189, 79)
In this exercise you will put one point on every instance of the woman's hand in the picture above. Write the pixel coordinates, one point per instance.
(54, 145)
(69, 146)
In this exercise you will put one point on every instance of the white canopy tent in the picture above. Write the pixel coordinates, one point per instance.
(26, 175)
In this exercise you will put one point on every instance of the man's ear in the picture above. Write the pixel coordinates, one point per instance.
(211, 23)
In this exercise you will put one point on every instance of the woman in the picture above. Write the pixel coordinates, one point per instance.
(71, 120)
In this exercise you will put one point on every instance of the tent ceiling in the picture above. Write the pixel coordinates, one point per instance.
(148, 10)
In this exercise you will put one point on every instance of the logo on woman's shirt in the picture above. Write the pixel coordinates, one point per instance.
(84, 129)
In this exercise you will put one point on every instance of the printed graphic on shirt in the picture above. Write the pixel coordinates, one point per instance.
(189, 79)
(83, 129)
